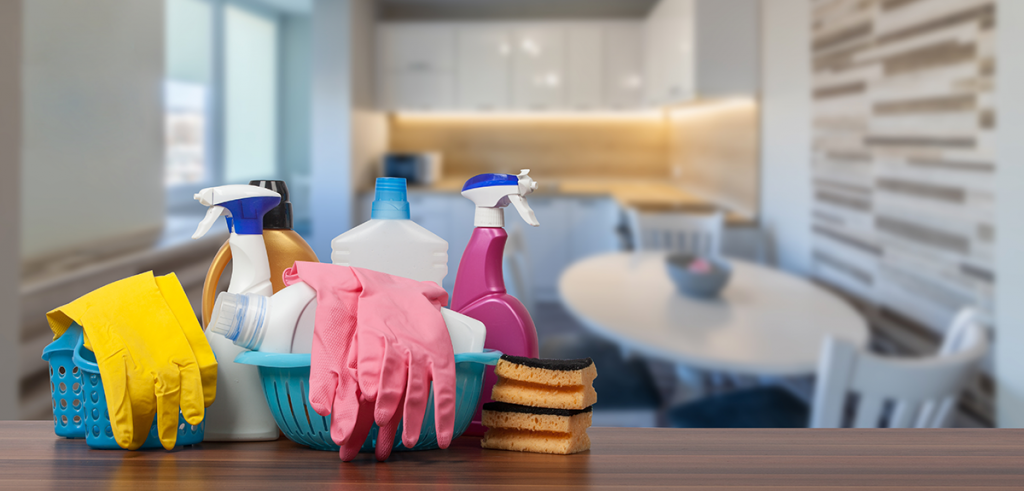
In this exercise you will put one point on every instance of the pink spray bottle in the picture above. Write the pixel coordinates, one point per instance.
(480, 286)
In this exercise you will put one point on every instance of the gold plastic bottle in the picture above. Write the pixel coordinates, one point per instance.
(284, 247)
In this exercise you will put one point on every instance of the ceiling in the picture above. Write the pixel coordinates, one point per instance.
(513, 9)
(288, 6)
(487, 9)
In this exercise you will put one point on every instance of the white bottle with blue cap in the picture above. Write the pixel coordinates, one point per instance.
(390, 242)
(239, 412)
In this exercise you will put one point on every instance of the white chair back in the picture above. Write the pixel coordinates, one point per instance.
(515, 268)
(698, 233)
(896, 392)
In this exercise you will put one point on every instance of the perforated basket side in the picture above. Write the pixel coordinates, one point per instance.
(98, 432)
(66, 384)
(287, 391)
(66, 396)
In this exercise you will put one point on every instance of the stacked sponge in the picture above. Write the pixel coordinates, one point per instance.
(542, 406)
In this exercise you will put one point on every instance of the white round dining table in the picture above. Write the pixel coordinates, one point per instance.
(765, 321)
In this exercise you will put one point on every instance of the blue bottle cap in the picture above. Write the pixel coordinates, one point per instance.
(390, 199)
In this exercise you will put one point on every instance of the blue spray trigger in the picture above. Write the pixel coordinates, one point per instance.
(487, 180)
(247, 213)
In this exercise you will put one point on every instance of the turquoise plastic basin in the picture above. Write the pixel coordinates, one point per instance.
(286, 384)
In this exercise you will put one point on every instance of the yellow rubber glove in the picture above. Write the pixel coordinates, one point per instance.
(152, 355)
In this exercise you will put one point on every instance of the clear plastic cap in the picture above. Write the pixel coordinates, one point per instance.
(390, 200)
(240, 318)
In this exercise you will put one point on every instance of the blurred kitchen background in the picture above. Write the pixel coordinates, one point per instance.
(873, 148)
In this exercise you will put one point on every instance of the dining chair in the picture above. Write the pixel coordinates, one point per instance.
(676, 231)
(897, 392)
(858, 389)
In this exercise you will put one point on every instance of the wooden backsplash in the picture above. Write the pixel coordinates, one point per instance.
(714, 152)
(570, 146)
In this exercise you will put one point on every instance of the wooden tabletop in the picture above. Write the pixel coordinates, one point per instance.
(31, 457)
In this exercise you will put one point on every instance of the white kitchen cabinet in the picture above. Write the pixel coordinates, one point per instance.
(593, 224)
(547, 246)
(571, 228)
(727, 62)
(701, 49)
(416, 66)
(538, 67)
(623, 67)
(584, 66)
(483, 76)
(488, 66)
(669, 45)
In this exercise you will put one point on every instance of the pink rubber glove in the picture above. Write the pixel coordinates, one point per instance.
(332, 384)
(403, 346)
(378, 343)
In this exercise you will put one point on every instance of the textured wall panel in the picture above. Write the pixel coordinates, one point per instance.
(903, 152)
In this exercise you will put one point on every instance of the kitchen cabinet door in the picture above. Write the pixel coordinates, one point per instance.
(727, 46)
(584, 75)
(594, 222)
(415, 66)
(547, 246)
(538, 67)
(484, 66)
(669, 52)
(415, 46)
(623, 73)
(416, 91)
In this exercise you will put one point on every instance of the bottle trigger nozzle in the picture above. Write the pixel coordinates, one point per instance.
(211, 217)
(524, 209)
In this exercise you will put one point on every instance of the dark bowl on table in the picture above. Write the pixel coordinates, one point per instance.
(697, 283)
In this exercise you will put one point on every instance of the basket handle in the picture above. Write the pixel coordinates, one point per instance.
(80, 361)
(488, 357)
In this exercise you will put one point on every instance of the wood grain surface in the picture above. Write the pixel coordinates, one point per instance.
(31, 457)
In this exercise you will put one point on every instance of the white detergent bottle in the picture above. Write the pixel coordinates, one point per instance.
(284, 322)
(240, 411)
(390, 242)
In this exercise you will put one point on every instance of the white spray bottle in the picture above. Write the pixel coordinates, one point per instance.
(240, 411)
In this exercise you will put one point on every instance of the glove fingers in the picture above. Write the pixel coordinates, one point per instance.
(386, 436)
(372, 352)
(417, 393)
(168, 397)
(176, 299)
(119, 402)
(346, 409)
(363, 423)
(192, 396)
(444, 402)
(323, 383)
(393, 379)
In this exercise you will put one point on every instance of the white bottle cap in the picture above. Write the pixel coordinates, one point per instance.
(240, 318)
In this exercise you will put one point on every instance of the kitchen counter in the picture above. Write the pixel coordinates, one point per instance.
(31, 457)
(646, 194)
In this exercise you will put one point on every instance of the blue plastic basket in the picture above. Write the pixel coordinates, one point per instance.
(286, 381)
(66, 385)
(79, 404)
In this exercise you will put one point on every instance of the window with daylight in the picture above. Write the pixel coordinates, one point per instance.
(220, 93)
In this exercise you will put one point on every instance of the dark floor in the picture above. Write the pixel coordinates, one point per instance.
(552, 319)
